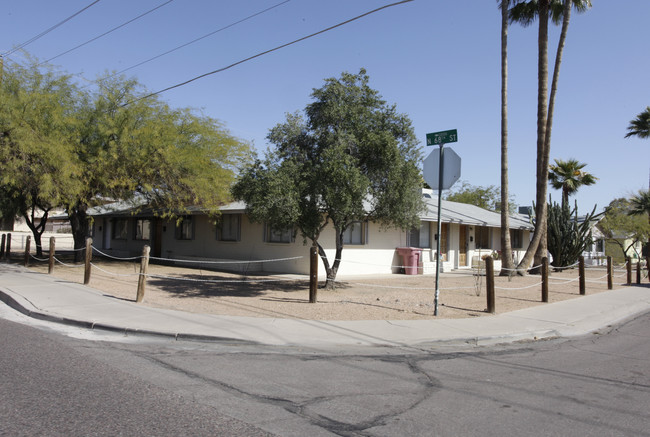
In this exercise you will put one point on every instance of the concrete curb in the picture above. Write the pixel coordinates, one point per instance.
(13, 303)
(79, 306)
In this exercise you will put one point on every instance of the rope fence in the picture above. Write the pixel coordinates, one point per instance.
(482, 277)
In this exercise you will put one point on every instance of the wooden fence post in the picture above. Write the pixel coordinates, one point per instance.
(2, 248)
(89, 256)
(628, 268)
(8, 248)
(27, 247)
(545, 279)
(142, 280)
(313, 274)
(610, 273)
(581, 273)
(50, 266)
(489, 283)
(638, 272)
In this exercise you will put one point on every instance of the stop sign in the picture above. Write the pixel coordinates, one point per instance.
(450, 166)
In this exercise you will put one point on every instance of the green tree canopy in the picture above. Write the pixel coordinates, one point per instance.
(127, 145)
(569, 176)
(484, 197)
(36, 149)
(349, 158)
(640, 126)
(640, 204)
(75, 148)
(622, 227)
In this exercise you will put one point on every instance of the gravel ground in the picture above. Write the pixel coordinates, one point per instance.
(379, 297)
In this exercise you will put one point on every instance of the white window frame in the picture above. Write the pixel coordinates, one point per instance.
(143, 228)
(421, 237)
(356, 234)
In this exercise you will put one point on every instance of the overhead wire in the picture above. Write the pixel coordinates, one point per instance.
(196, 39)
(219, 70)
(45, 32)
(107, 32)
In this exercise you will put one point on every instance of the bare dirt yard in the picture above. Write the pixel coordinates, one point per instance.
(380, 297)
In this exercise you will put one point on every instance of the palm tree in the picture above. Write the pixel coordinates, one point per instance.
(640, 126)
(568, 176)
(507, 263)
(525, 13)
(641, 205)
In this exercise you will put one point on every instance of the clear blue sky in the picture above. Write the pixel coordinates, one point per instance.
(438, 61)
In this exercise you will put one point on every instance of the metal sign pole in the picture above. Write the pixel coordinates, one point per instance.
(439, 234)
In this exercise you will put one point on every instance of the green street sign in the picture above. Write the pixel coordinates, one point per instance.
(442, 137)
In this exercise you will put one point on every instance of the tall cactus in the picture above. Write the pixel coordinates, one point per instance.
(567, 238)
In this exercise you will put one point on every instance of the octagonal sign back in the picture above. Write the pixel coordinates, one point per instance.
(451, 168)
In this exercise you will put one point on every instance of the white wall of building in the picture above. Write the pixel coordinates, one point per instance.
(376, 255)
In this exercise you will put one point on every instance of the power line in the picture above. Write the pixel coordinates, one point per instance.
(198, 39)
(267, 51)
(107, 32)
(45, 32)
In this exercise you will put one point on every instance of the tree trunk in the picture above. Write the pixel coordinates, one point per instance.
(551, 104)
(37, 230)
(330, 284)
(79, 224)
(507, 263)
(537, 248)
(542, 250)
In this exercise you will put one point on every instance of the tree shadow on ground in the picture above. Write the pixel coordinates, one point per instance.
(226, 284)
(215, 285)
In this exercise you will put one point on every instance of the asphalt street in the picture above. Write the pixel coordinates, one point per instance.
(53, 384)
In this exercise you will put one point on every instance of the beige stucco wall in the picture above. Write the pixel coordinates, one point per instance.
(377, 256)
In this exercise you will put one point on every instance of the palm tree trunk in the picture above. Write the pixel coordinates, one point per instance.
(556, 74)
(507, 263)
(538, 244)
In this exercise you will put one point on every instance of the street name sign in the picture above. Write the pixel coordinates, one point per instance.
(442, 137)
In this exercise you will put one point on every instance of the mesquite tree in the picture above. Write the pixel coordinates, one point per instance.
(352, 157)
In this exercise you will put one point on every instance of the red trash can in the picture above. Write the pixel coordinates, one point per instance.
(410, 259)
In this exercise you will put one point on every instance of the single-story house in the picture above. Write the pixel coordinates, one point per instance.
(468, 233)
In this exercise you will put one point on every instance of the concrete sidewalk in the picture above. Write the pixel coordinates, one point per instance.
(45, 297)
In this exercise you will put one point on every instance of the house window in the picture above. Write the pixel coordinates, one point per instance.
(600, 245)
(482, 237)
(274, 235)
(355, 234)
(185, 229)
(421, 237)
(142, 229)
(120, 229)
(516, 238)
(229, 227)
